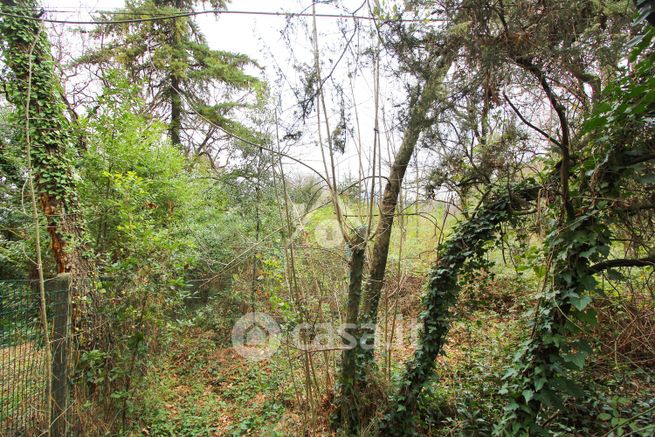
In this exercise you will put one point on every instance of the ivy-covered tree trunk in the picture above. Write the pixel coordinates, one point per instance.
(466, 244)
(622, 145)
(48, 140)
(350, 400)
(540, 374)
(50, 135)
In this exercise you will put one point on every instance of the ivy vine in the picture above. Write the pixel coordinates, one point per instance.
(460, 252)
(541, 373)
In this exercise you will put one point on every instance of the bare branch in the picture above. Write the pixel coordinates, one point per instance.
(612, 263)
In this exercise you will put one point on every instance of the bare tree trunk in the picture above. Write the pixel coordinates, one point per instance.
(419, 119)
(175, 127)
(357, 399)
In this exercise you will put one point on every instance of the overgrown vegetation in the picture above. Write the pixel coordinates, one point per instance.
(487, 271)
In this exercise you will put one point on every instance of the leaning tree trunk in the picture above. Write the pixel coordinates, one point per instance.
(467, 242)
(419, 119)
(359, 361)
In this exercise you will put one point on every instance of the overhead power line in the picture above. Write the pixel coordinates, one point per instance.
(155, 17)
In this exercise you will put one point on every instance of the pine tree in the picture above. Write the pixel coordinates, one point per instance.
(185, 81)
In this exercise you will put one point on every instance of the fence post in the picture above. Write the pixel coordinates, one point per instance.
(60, 298)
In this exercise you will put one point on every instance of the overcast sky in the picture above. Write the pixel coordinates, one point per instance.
(261, 38)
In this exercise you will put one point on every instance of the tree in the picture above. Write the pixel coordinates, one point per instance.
(46, 135)
(35, 92)
(426, 100)
(466, 246)
(184, 80)
(527, 43)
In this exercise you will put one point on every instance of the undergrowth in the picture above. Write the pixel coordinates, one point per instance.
(202, 389)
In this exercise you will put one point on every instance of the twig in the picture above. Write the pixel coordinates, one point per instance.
(37, 235)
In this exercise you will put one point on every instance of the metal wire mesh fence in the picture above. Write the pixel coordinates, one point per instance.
(24, 369)
(78, 382)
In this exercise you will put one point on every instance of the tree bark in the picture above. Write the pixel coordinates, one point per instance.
(175, 127)
(467, 242)
(50, 134)
(350, 399)
(175, 95)
(419, 120)
(35, 92)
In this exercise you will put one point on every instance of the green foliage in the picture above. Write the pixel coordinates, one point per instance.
(540, 372)
(461, 252)
(15, 227)
(187, 247)
(464, 400)
(175, 56)
(19, 310)
(200, 389)
(609, 409)
(50, 132)
(158, 221)
(543, 371)
(41, 131)
(135, 186)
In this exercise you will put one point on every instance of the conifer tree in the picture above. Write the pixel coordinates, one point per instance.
(185, 81)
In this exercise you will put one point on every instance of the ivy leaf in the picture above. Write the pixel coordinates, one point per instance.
(581, 302)
(594, 123)
(576, 358)
(604, 417)
(588, 282)
(539, 383)
(587, 253)
(587, 317)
